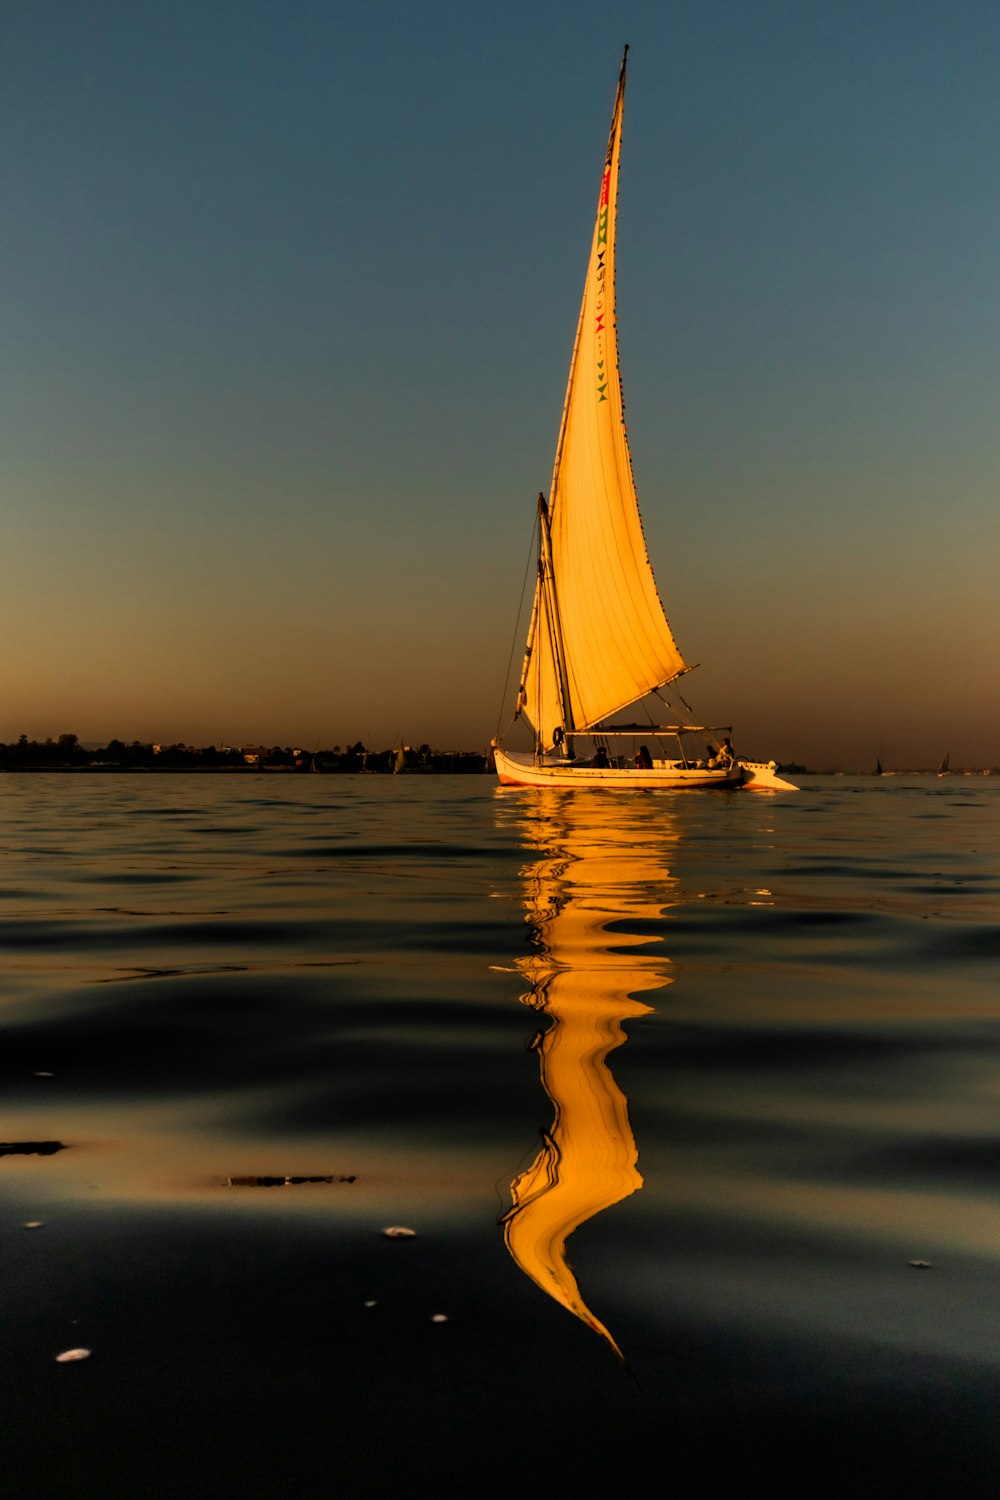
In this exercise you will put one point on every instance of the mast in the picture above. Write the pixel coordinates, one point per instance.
(547, 579)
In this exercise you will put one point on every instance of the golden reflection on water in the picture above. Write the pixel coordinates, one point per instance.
(594, 862)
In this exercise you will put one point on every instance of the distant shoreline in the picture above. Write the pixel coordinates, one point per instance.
(161, 771)
(232, 771)
(67, 754)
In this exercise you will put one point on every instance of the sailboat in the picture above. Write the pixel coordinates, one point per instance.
(599, 640)
(944, 769)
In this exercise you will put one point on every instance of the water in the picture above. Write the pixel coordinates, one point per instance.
(673, 1088)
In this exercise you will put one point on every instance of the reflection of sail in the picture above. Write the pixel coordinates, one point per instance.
(595, 864)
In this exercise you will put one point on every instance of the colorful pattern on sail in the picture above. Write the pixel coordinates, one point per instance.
(600, 606)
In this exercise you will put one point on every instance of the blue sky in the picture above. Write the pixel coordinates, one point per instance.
(291, 292)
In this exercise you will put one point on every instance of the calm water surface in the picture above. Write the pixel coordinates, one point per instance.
(674, 1090)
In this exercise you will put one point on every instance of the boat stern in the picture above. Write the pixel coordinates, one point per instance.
(762, 776)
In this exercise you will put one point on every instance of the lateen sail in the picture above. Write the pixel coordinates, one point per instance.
(598, 625)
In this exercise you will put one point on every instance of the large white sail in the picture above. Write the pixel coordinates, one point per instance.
(599, 637)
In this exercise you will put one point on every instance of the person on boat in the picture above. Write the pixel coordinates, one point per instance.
(720, 758)
(601, 757)
(643, 759)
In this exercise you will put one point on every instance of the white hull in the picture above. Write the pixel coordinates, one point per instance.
(520, 769)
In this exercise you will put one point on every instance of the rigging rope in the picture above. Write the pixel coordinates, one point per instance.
(517, 628)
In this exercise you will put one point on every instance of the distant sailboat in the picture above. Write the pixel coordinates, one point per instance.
(878, 768)
(599, 640)
(944, 769)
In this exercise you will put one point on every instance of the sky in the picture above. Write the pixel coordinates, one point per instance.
(290, 296)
